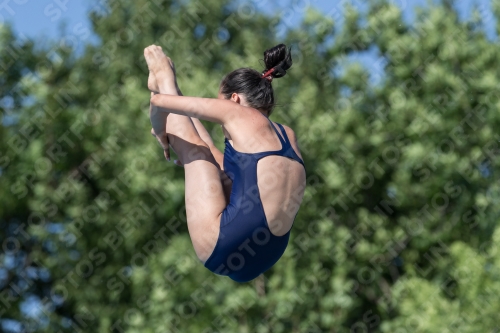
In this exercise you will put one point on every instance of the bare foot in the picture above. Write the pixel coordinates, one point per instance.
(162, 68)
(152, 84)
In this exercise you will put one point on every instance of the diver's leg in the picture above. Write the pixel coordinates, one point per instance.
(204, 193)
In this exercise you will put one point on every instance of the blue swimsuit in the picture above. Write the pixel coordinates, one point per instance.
(246, 247)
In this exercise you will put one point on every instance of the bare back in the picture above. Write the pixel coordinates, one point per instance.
(281, 180)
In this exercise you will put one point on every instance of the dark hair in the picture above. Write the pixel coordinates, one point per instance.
(258, 91)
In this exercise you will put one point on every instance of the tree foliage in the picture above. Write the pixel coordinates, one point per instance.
(398, 230)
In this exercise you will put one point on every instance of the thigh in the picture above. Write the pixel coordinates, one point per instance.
(205, 202)
(204, 191)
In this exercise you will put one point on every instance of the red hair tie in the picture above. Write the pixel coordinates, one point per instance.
(267, 74)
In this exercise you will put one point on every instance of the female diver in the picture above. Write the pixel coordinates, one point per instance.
(240, 205)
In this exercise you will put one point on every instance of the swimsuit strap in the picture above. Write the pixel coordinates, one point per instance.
(285, 142)
(283, 137)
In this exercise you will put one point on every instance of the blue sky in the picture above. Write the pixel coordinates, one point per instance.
(66, 21)
(43, 18)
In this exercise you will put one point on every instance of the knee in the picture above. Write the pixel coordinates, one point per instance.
(198, 150)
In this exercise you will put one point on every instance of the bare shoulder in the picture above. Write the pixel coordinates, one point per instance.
(293, 139)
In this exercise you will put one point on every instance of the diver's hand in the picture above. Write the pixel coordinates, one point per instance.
(163, 141)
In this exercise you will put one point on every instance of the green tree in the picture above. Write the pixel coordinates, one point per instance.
(398, 226)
